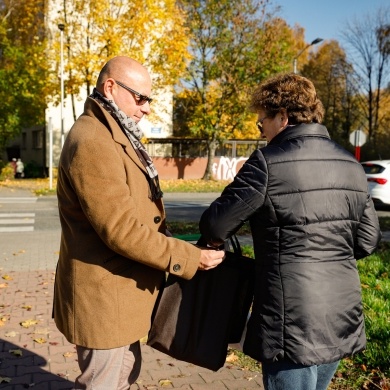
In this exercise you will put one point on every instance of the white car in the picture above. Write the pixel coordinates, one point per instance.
(378, 177)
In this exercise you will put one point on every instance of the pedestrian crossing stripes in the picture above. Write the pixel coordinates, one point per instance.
(16, 222)
(29, 199)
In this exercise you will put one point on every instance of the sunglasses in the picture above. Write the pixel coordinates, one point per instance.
(141, 99)
(259, 123)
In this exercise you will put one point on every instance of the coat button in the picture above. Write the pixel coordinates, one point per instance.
(176, 267)
(157, 219)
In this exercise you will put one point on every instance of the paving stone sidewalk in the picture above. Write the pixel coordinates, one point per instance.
(34, 354)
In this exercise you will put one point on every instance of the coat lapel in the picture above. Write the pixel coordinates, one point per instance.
(95, 109)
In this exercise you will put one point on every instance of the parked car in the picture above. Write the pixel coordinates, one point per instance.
(378, 177)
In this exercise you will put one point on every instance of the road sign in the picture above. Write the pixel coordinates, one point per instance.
(358, 138)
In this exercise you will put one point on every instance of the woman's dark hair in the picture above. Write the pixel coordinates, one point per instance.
(292, 92)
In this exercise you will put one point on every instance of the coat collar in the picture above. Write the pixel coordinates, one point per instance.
(94, 109)
(301, 130)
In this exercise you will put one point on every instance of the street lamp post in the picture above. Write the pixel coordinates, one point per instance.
(61, 27)
(317, 40)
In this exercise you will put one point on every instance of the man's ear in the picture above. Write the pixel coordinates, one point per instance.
(109, 87)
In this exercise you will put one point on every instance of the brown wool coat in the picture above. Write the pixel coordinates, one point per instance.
(114, 253)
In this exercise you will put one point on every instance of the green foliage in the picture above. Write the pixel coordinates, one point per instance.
(22, 68)
(371, 368)
(375, 272)
(243, 361)
(180, 228)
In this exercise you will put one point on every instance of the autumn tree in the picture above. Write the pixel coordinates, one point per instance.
(368, 45)
(23, 67)
(97, 31)
(333, 77)
(234, 45)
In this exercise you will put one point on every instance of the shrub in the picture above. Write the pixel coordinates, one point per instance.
(7, 172)
(33, 170)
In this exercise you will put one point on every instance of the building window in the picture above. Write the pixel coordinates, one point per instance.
(37, 139)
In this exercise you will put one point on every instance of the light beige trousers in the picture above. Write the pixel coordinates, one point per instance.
(103, 369)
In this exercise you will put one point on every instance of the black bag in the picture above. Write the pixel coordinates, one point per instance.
(195, 320)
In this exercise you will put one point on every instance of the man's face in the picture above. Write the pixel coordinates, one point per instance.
(130, 102)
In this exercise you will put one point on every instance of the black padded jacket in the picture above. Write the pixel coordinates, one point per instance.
(311, 218)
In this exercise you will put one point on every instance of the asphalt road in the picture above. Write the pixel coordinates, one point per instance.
(29, 213)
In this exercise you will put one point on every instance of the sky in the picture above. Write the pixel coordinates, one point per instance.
(326, 19)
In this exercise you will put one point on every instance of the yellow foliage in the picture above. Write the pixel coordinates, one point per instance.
(97, 31)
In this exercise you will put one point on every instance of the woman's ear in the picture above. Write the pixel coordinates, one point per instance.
(283, 117)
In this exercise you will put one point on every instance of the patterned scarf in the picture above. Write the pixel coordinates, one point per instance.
(134, 134)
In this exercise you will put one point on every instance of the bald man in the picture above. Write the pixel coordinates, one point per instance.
(115, 249)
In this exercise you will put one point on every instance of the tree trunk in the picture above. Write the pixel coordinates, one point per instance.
(211, 148)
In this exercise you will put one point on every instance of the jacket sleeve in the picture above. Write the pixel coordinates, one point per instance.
(368, 235)
(238, 201)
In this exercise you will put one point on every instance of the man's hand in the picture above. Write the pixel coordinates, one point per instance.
(210, 258)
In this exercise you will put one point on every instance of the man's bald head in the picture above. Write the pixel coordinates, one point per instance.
(122, 68)
(123, 81)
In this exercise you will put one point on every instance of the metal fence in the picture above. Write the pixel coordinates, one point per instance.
(190, 147)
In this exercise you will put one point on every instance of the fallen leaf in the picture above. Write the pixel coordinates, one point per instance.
(3, 285)
(53, 343)
(7, 277)
(28, 323)
(27, 307)
(68, 354)
(231, 358)
(42, 331)
(11, 334)
(164, 382)
(4, 379)
(40, 340)
(16, 352)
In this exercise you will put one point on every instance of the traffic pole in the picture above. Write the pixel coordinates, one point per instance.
(357, 153)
